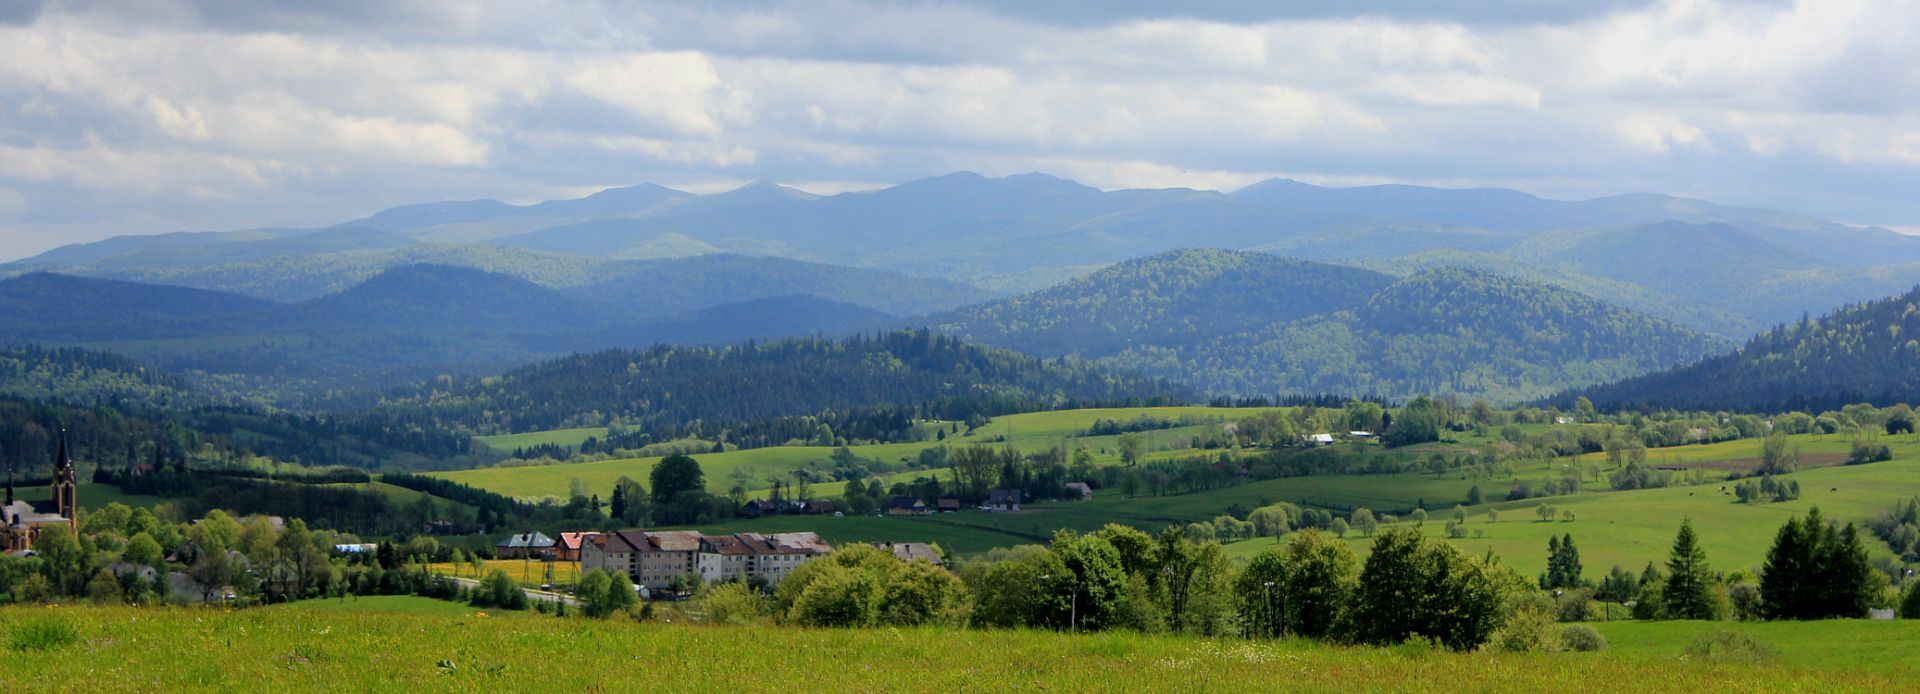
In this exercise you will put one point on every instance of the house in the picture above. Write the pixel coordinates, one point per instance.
(759, 508)
(362, 548)
(911, 551)
(750, 556)
(906, 506)
(568, 548)
(534, 545)
(1081, 488)
(1317, 439)
(947, 505)
(1360, 435)
(664, 556)
(1002, 500)
(653, 560)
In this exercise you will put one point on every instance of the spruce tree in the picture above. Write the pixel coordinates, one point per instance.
(1784, 577)
(1688, 594)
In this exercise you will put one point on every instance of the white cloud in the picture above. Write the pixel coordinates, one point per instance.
(1661, 134)
(289, 112)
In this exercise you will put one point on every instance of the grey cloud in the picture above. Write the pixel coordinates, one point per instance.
(20, 11)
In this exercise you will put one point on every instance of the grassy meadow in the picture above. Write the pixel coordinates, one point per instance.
(406, 644)
(752, 468)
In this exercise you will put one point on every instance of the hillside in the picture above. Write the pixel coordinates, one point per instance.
(1860, 353)
(1168, 298)
(1256, 324)
(83, 377)
(440, 299)
(46, 307)
(664, 387)
(780, 316)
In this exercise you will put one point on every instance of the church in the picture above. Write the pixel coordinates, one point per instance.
(23, 519)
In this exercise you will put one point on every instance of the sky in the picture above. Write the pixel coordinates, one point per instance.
(147, 116)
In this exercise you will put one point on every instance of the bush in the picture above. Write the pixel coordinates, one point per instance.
(1575, 605)
(1725, 646)
(1527, 631)
(1582, 638)
(42, 635)
(736, 604)
(1910, 605)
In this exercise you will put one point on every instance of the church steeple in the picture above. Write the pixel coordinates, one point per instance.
(65, 488)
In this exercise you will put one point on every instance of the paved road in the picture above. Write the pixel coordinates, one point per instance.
(532, 594)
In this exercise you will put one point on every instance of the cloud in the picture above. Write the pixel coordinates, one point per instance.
(223, 113)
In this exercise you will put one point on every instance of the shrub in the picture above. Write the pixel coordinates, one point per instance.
(1575, 605)
(733, 603)
(1528, 631)
(1725, 646)
(1582, 638)
(1910, 605)
(43, 634)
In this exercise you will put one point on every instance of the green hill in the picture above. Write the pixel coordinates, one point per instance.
(1861, 353)
(667, 387)
(1256, 324)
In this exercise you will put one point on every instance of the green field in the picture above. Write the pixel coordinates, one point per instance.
(1026, 432)
(559, 437)
(1841, 644)
(1613, 528)
(92, 495)
(384, 604)
(1630, 528)
(409, 648)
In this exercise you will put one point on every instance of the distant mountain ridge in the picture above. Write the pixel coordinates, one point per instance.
(407, 321)
(1022, 233)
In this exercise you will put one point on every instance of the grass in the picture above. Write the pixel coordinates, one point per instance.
(278, 649)
(1842, 644)
(1630, 528)
(383, 604)
(752, 468)
(571, 438)
(92, 495)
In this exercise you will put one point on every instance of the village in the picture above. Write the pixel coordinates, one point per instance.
(672, 563)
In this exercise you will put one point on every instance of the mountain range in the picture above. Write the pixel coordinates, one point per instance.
(1728, 271)
(417, 320)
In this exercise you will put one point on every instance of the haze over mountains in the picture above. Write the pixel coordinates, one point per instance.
(1385, 290)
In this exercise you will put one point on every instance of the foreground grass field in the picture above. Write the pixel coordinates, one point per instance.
(294, 649)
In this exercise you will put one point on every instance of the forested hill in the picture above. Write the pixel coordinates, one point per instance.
(1168, 297)
(86, 378)
(665, 387)
(1254, 324)
(1861, 353)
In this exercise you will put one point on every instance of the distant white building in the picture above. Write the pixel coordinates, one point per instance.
(1317, 439)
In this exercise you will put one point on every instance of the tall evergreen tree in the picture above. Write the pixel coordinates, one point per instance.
(1786, 575)
(1689, 592)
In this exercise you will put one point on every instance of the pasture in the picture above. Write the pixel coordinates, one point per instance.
(291, 648)
(754, 468)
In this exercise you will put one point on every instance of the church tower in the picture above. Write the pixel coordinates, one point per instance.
(66, 495)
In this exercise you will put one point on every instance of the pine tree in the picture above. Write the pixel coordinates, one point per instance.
(1784, 577)
(1570, 569)
(1688, 594)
